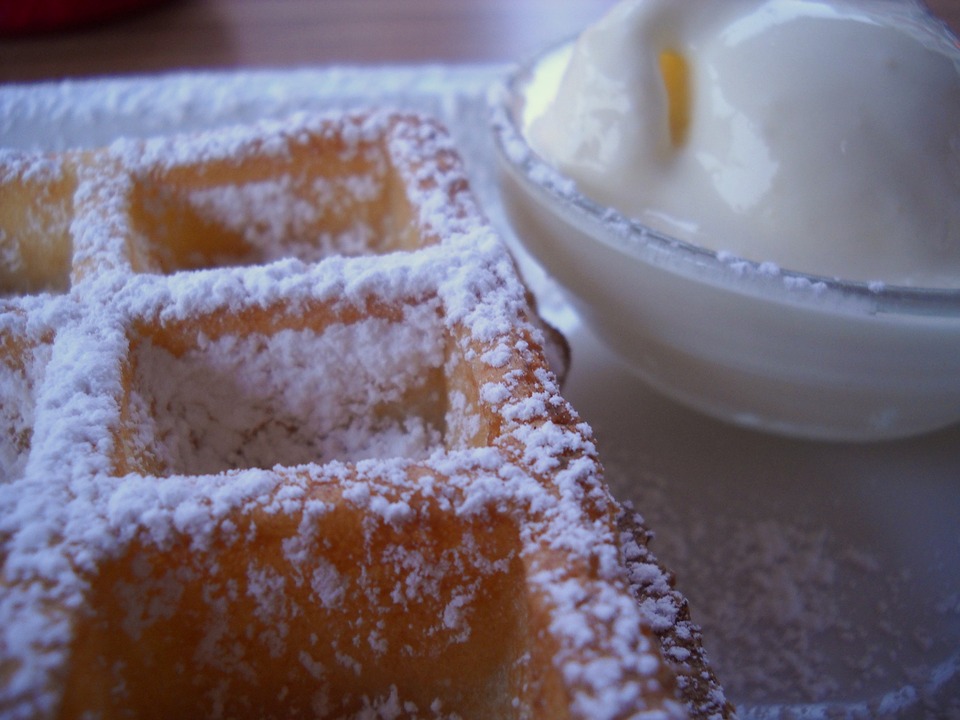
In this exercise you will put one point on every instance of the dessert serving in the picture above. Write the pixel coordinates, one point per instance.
(280, 440)
(757, 203)
(815, 135)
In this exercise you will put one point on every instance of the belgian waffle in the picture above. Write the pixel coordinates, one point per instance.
(279, 440)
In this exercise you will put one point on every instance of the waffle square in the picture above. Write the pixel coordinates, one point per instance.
(279, 440)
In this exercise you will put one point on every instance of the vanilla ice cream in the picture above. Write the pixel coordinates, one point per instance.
(822, 137)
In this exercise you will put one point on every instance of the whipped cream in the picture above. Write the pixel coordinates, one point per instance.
(822, 137)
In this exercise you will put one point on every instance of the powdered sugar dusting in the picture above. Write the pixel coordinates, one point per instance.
(258, 401)
(265, 213)
(333, 479)
(22, 369)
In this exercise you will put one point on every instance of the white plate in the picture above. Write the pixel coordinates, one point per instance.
(826, 576)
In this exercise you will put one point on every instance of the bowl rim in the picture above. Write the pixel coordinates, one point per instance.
(646, 244)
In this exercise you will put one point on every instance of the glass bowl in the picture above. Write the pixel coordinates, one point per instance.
(787, 352)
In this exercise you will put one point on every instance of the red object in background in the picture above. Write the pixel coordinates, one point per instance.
(18, 17)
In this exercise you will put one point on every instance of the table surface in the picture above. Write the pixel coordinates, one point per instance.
(204, 34)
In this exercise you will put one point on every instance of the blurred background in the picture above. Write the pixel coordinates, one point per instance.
(52, 39)
(184, 34)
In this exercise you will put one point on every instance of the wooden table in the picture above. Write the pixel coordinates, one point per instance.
(194, 34)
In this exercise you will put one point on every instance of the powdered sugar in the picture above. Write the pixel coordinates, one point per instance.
(20, 374)
(265, 214)
(288, 464)
(293, 397)
(796, 614)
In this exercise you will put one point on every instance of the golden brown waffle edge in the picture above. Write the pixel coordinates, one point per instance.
(282, 442)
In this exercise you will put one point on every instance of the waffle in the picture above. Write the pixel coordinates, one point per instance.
(279, 440)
